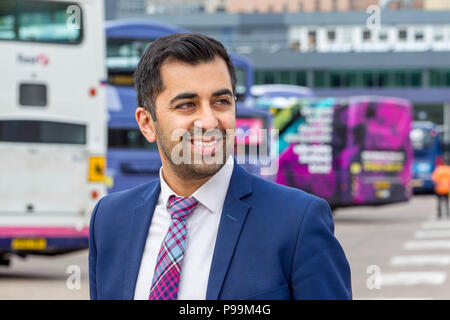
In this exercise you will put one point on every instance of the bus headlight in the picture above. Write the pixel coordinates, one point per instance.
(97, 166)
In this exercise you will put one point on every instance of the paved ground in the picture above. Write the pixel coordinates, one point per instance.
(395, 251)
(62, 277)
(398, 251)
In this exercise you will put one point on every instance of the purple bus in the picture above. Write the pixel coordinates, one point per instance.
(349, 151)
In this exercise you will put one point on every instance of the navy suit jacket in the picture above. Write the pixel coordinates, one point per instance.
(273, 242)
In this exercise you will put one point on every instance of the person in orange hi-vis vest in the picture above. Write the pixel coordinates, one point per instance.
(441, 179)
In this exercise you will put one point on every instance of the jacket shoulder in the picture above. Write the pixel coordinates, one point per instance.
(126, 200)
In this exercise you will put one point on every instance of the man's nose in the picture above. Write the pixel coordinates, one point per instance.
(207, 117)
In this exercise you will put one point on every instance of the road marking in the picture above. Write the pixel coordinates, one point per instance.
(427, 244)
(437, 224)
(417, 260)
(412, 278)
(421, 234)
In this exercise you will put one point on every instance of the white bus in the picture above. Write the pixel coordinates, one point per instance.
(53, 124)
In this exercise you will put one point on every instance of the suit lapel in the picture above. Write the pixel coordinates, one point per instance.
(138, 232)
(231, 222)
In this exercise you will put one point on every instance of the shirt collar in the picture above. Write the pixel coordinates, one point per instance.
(211, 194)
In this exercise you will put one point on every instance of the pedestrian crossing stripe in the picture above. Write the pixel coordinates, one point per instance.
(420, 260)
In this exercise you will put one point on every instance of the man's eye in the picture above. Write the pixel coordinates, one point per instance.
(223, 102)
(185, 105)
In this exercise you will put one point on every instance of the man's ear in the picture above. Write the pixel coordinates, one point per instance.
(146, 124)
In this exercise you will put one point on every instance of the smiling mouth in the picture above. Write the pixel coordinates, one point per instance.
(206, 145)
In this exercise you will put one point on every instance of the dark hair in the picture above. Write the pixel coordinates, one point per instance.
(190, 48)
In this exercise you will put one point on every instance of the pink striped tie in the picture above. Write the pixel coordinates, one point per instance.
(168, 264)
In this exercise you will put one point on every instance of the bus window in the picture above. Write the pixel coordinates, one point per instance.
(125, 54)
(27, 131)
(33, 94)
(39, 21)
(241, 89)
(119, 138)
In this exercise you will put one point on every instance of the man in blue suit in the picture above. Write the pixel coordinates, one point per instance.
(207, 229)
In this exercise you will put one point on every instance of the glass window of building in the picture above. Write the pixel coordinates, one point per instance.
(402, 34)
(331, 35)
(351, 5)
(435, 78)
(400, 79)
(335, 5)
(300, 78)
(269, 77)
(438, 35)
(367, 35)
(368, 79)
(285, 77)
(416, 78)
(419, 35)
(335, 79)
(319, 79)
(317, 5)
(312, 40)
(383, 35)
(382, 79)
(350, 79)
(447, 78)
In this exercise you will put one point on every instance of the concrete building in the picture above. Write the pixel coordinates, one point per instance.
(436, 4)
(124, 8)
(401, 4)
(166, 7)
(184, 6)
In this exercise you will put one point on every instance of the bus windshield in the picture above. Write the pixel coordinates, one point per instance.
(125, 54)
(40, 21)
(421, 139)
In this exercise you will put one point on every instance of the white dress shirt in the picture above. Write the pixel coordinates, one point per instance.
(202, 226)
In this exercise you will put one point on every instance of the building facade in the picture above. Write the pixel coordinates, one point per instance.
(166, 7)
(184, 6)
(279, 6)
(436, 4)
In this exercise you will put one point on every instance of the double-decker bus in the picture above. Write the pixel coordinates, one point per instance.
(53, 121)
(349, 151)
(131, 159)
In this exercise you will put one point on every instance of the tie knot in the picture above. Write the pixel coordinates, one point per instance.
(180, 207)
